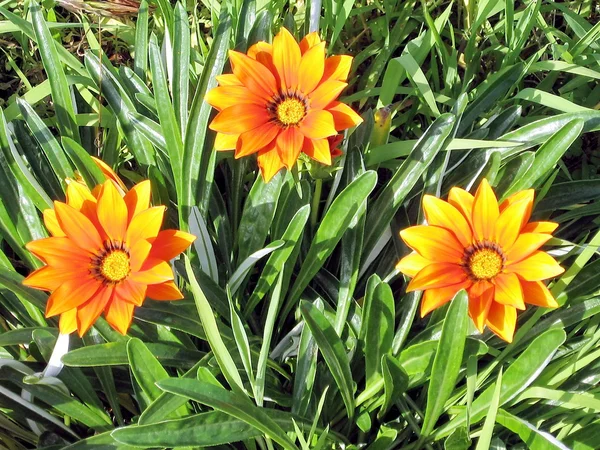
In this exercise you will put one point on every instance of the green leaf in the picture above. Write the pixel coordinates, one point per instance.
(332, 349)
(86, 166)
(181, 65)
(379, 332)
(490, 419)
(230, 403)
(535, 439)
(61, 95)
(306, 369)
(140, 62)
(447, 361)
(395, 382)
(246, 266)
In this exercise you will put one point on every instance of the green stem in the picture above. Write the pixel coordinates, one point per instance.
(314, 213)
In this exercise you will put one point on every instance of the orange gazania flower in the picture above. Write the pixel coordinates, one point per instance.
(280, 101)
(491, 251)
(106, 254)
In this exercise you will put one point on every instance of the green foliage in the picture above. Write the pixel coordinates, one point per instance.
(296, 330)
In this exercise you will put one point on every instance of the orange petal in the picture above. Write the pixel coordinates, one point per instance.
(326, 93)
(68, 321)
(71, 294)
(228, 79)
(223, 97)
(434, 298)
(536, 293)
(170, 243)
(238, 119)
(78, 227)
(508, 290)
(260, 47)
(112, 212)
(433, 243)
(512, 219)
(318, 125)
(88, 313)
(109, 173)
(481, 297)
(51, 223)
(119, 314)
(502, 320)
(253, 140)
(164, 291)
(153, 272)
(540, 227)
(269, 162)
(309, 41)
(485, 212)
(437, 275)
(253, 75)
(525, 245)
(50, 278)
(537, 267)
(225, 141)
(337, 68)
(78, 195)
(60, 252)
(318, 149)
(311, 68)
(138, 199)
(411, 264)
(131, 292)
(138, 254)
(526, 195)
(344, 117)
(463, 201)
(145, 225)
(443, 214)
(286, 57)
(289, 144)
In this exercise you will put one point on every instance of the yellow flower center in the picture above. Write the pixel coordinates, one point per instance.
(290, 111)
(483, 260)
(114, 266)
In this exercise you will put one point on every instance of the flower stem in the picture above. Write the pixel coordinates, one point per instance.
(314, 213)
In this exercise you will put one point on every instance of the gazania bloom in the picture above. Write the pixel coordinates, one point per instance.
(280, 101)
(491, 251)
(106, 254)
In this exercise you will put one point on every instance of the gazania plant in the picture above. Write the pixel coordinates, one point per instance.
(299, 226)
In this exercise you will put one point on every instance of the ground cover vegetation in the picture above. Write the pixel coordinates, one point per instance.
(301, 225)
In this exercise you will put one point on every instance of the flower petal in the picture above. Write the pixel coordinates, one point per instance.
(344, 117)
(502, 320)
(443, 214)
(485, 212)
(540, 227)
(78, 195)
(527, 195)
(50, 278)
(60, 252)
(326, 93)
(286, 57)
(481, 297)
(223, 97)
(145, 225)
(68, 321)
(138, 199)
(77, 227)
(109, 173)
(309, 41)
(433, 243)
(71, 294)
(138, 254)
(164, 291)
(153, 272)
(463, 201)
(112, 212)
(253, 75)
(131, 292)
(170, 243)
(508, 290)
(411, 264)
(225, 141)
(311, 68)
(253, 140)
(537, 267)
(437, 275)
(228, 79)
(89, 312)
(434, 298)
(51, 223)
(318, 149)
(260, 47)
(536, 293)
(269, 162)
(289, 145)
(238, 119)
(512, 219)
(525, 245)
(318, 125)
(337, 68)
(119, 314)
